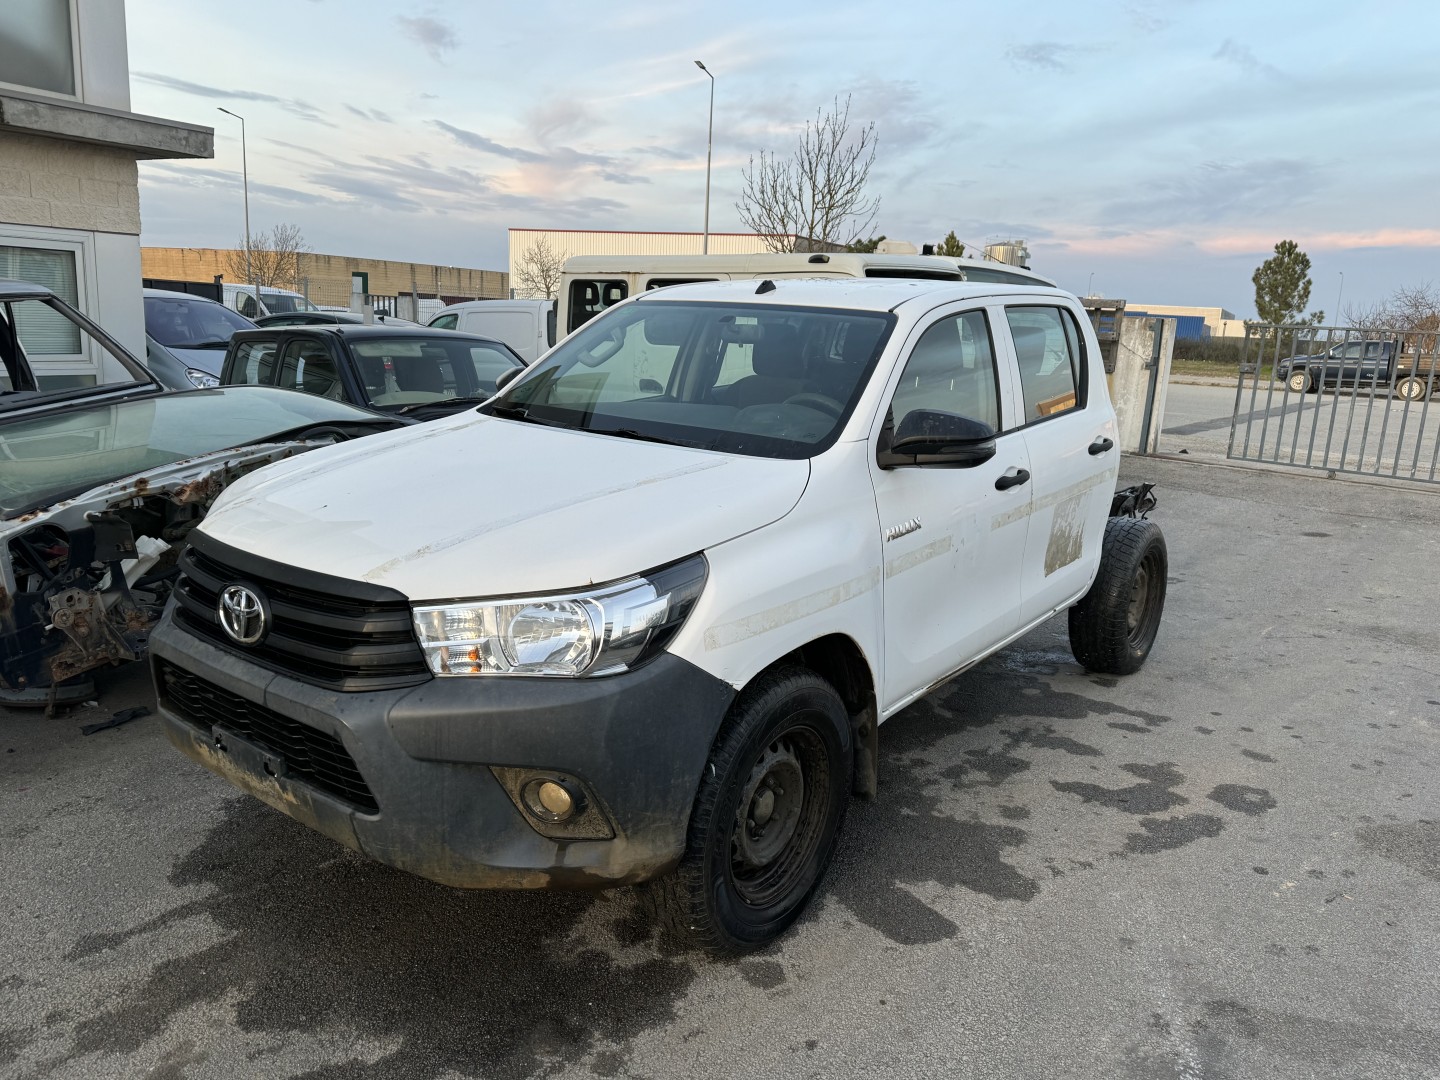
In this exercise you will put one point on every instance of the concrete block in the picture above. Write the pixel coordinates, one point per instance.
(18, 211)
(15, 182)
(100, 192)
(55, 186)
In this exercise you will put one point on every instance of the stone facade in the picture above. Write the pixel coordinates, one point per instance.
(67, 185)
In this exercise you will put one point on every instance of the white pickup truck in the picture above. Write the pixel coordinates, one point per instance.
(639, 617)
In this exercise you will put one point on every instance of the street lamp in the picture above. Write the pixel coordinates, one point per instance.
(245, 183)
(709, 146)
(1089, 283)
(1338, 296)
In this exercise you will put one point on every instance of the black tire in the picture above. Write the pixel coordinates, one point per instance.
(1113, 628)
(734, 893)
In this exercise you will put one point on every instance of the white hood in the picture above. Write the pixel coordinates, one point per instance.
(471, 506)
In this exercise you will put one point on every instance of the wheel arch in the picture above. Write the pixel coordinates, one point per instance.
(839, 660)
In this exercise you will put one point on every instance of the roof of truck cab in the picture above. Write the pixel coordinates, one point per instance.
(861, 294)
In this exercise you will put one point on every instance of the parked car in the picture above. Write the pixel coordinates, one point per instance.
(328, 318)
(192, 329)
(424, 373)
(527, 326)
(1366, 363)
(101, 485)
(640, 616)
(273, 301)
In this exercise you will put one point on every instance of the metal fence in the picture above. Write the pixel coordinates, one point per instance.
(1339, 399)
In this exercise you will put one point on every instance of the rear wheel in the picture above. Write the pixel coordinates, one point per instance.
(1113, 628)
(766, 816)
(1410, 388)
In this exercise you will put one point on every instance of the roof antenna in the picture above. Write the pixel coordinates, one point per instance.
(765, 286)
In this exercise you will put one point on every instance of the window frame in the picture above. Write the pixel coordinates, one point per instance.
(1079, 359)
(887, 421)
(88, 362)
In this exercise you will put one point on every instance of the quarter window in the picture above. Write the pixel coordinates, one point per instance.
(1047, 351)
(951, 370)
(445, 322)
(254, 363)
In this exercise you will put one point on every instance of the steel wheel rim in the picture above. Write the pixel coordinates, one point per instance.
(1140, 616)
(774, 836)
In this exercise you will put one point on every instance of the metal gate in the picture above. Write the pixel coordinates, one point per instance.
(1344, 400)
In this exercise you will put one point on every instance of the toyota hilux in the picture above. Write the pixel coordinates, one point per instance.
(739, 526)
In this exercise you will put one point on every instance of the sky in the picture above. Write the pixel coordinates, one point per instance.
(1146, 150)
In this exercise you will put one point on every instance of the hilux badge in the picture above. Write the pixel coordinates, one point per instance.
(242, 614)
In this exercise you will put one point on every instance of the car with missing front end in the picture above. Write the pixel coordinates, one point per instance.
(100, 485)
(738, 526)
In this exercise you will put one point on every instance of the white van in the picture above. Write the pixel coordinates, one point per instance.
(273, 301)
(527, 326)
(591, 283)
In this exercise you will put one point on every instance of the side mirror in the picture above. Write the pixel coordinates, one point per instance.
(507, 377)
(929, 437)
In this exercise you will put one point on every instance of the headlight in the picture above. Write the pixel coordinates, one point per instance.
(602, 632)
(202, 379)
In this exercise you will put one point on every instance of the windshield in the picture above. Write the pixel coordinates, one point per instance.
(183, 323)
(401, 371)
(44, 458)
(284, 303)
(761, 380)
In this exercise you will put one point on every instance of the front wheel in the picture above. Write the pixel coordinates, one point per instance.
(1299, 381)
(766, 816)
(1113, 628)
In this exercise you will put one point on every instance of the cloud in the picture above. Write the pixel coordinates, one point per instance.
(476, 141)
(434, 36)
(559, 116)
(201, 177)
(668, 152)
(1215, 192)
(302, 109)
(1240, 55)
(622, 178)
(369, 114)
(1045, 55)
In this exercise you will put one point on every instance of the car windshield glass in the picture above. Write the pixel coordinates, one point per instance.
(182, 323)
(278, 303)
(401, 371)
(49, 456)
(762, 380)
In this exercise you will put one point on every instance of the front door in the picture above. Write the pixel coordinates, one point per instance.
(1070, 435)
(953, 540)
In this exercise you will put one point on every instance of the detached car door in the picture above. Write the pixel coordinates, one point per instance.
(1069, 432)
(953, 537)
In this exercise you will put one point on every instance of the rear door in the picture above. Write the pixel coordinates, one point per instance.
(953, 541)
(1069, 432)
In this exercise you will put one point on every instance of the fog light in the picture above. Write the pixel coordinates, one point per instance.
(549, 800)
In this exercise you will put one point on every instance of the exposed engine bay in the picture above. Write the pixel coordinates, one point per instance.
(83, 581)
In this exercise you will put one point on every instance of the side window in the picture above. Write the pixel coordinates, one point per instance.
(445, 322)
(254, 363)
(245, 304)
(589, 298)
(306, 366)
(951, 370)
(1047, 350)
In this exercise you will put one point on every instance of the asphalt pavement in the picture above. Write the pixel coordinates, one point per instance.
(1226, 865)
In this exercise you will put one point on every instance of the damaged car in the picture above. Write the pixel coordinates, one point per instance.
(100, 486)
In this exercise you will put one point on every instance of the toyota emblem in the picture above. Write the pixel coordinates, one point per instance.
(243, 614)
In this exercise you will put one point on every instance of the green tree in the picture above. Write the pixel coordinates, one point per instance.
(865, 247)
(951, 246)
(1282, 287)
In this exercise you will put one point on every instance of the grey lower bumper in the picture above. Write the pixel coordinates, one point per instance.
(637, 741)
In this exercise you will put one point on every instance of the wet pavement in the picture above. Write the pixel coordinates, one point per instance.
(1226, 865)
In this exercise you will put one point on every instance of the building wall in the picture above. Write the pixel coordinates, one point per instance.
(67, 185)
(1215, 318)
(326, 278)
(568, 242)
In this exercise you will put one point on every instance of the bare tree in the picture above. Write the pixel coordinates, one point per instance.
(274, 260)
(537, 271)
(818, 193)
(1415, 307)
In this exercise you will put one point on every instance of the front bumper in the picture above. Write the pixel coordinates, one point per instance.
(428, 755)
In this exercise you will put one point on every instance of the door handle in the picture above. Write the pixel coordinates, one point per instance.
(1012, 478)
(1100, 446)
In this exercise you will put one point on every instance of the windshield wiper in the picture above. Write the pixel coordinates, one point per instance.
(642, 436)
(217, 343)
(444, 401)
